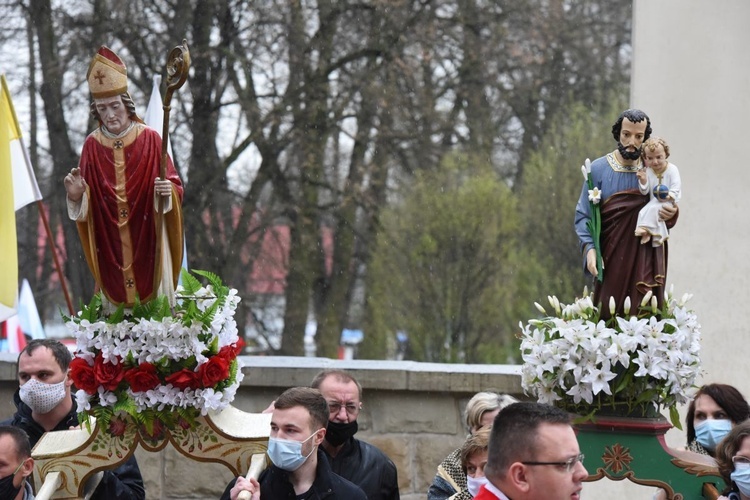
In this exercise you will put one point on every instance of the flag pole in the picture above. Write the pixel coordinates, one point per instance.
(55, 258)
(39, 204)
(50, 239)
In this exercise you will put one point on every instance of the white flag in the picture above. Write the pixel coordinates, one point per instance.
(28, 314)
(25, 187)
(154, 116)
(15, 338)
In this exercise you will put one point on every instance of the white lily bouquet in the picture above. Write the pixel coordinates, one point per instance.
(632, 365)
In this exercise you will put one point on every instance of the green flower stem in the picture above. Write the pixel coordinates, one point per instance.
(595, 228)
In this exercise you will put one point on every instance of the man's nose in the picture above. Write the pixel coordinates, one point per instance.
(580, 470)
(341, 415)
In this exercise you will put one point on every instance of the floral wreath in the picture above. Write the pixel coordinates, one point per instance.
(156, 366)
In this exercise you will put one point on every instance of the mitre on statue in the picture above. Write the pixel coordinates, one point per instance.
(107, 75)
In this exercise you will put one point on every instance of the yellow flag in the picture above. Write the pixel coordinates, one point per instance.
(25, 187)
(8, 245)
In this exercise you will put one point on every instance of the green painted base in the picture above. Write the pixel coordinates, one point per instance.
(635, 449)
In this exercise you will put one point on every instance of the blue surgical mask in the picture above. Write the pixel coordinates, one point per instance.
(287, 454)
(709, 433)
(741, 477)
(473, 484)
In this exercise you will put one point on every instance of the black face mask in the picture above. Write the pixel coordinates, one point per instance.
(338, 433)
(7, 490)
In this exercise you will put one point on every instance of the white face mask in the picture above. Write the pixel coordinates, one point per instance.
(473, 484)
(41, 397)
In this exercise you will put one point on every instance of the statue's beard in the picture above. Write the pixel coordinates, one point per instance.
(628, 155)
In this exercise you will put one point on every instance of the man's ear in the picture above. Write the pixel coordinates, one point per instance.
(320, 434)
(28, 467)
(518, 476)
(68, 379)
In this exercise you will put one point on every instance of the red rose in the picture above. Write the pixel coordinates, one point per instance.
(183, 379)
(109, 375)
(142, 378)
(213, 371)
(229, 352)
(117, 426)
(83, 375)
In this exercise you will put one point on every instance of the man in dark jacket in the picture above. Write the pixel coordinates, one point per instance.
(300, 469)
(358, 461)
(44, 403)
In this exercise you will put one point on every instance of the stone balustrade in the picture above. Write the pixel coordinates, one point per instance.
(412, 411)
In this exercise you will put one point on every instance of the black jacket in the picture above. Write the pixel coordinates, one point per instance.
(123, 483)
(367, 467)
(275, 485)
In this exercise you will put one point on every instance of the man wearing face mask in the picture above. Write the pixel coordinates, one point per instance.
(358, 461)
(16, 464)
(300, 469)
(44, 403)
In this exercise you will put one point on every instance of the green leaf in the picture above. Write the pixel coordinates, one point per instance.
(117, 316)
(674, 417)
(212, 278)
(190, 283)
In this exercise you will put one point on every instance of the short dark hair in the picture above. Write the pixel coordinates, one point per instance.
(727, 397)
(341, 376)
(59, 351)
(514, 434)
(310, 399)
(635, 116)
(728, 448)
(20, 438)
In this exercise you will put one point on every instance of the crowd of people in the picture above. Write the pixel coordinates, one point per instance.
(513, 450)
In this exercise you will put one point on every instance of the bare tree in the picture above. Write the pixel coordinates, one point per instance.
(313, 115)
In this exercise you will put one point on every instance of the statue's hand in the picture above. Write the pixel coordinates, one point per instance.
(75, 185)
(162, 187)
(641, 174)
(591, 262)
(667, 211)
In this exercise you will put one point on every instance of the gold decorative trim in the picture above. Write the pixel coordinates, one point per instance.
(619, 167)
(630, 476)
(695, 469)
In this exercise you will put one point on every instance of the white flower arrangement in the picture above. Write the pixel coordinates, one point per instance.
(635, 363)
(158, 366)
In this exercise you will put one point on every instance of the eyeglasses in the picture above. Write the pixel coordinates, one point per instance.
(568, 465)
(334, 407)
(741, 462)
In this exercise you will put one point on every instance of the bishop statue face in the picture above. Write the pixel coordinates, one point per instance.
(113, 113)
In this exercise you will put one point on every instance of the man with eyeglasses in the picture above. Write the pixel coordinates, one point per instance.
(358, 461)
(533, 455)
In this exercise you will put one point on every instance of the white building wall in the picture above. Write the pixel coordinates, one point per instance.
(691, 75)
